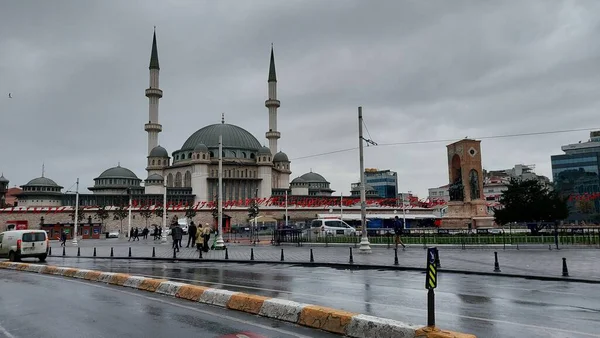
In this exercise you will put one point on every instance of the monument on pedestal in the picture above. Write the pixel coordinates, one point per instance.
(467, 206)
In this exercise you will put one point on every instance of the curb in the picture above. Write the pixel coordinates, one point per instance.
(327, 319)
(348, 266)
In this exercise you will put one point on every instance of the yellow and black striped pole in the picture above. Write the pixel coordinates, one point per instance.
(431, 283)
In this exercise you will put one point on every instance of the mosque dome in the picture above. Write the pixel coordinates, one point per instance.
(119, 172)
(313, 178)
(200, 148)
(42, 182)
(280, 157)
(264, 151)
(233, 137)
(158, 151)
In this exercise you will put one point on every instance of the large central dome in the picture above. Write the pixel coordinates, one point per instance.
(233, 137)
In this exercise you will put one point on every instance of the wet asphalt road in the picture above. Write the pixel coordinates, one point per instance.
(487, 306)
(35, 305)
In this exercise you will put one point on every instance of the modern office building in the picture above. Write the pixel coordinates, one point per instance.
(575, 173)
(385, 182)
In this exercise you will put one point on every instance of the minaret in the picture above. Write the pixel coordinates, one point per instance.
(153, 94)
(272, 104)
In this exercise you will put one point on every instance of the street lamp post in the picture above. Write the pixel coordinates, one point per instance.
(286, 209)
(220, 244)
(163, 238)
(365, 246)
(76, 219)
(129, 214)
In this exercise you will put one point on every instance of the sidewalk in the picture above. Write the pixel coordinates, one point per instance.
(539, 261)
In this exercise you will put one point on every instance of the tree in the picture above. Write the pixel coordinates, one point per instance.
(80, 215)
(159, 211)
(530, 201)
(120, 213)
(585, 206)
(147, 213)
(190, 211)
(102, 214)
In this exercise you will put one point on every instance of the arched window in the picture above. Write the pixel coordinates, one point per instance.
(178, 180)
(252, 156)
(243, 154)
(152, 162)
(187, 179)
(203, 156)
(165, 162)
(212, 154)
(189, 155)
(223, 154)
(170, 180)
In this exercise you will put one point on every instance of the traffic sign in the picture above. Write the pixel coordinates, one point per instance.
(431, 273)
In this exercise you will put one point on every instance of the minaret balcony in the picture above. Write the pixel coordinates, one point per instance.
(150, 92)
(273, 134)
(272, 103)
(153, 127)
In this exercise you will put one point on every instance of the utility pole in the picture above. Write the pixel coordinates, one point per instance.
(76, 219)
(220, 244)
(286, 209)
(365, 246)
(163, 238)
(129, 214)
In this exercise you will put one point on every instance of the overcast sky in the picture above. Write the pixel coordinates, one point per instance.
(421, 70)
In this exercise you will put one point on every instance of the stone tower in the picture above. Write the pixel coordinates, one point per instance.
(153, 93)
(272, 104)
(3, 190)
(466, 207)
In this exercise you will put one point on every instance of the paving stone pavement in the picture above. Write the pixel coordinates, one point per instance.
(583, 263)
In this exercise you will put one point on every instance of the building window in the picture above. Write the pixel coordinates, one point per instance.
(152, 162)
(189, 155)
(252, 156)
(170, 180)
(212, 154)
(187, 180)
(178, 179)
(203, 156)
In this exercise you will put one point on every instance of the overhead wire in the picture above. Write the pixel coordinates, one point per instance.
(450, 140)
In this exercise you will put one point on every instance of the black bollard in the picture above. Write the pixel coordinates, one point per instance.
(496, 264)
(351, 260)
(565, 271)
(174, 253)
(78, 251)
(129, 251)
(153, 252)
(50, 251)
(64, 254)
(200, 254)
(282, 255)
(396, 256)
(94, 251)
(112, 254)
(312, 258)
(226, 254)
(251, 254)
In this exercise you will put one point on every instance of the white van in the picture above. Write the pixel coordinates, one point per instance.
(17, 244)
(332, 227)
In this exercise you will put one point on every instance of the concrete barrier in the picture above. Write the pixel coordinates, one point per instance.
(323, 318)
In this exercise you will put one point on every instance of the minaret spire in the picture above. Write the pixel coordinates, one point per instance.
(223, 118)
(153, 93)
(154, 54)
(272, 75)
(272, 104)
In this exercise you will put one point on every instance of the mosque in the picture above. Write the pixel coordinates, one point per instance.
(190, 174)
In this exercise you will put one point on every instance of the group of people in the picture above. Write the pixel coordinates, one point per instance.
(134, 234)
(196, 235)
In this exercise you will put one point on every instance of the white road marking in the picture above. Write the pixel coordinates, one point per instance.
(6, 333)
(211, 313)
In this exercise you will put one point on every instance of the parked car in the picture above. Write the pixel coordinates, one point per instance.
(332, 227)
(17, 244)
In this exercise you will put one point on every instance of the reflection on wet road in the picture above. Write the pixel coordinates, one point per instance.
(43, 306)
(486, 306)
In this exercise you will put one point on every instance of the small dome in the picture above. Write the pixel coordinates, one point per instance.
(314, 178)
(42, 182)
(280, 157)
(298, 180)
(3, 179)
(158, 151)
(264, 151)
(118, 172)
(201, 148)
(155, 177)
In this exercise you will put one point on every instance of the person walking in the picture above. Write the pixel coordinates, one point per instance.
(199, 238)
(136, 234)
(131, 231)
(398, 227)
(63, 238)
(177, 234)
(206, 232)
(191, 234)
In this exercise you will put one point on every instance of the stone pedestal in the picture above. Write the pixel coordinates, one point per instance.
(460, 214)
